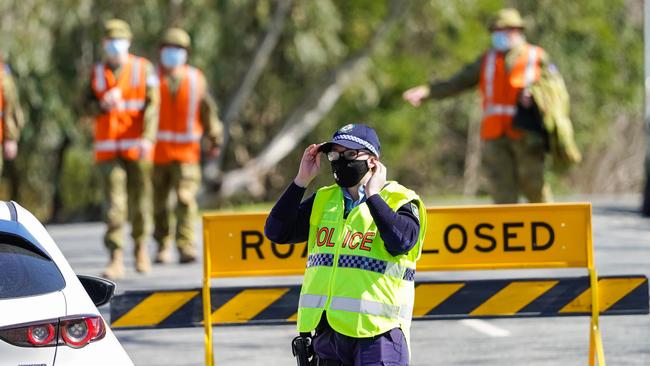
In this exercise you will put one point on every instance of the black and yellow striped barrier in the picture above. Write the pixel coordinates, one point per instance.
(620, 295)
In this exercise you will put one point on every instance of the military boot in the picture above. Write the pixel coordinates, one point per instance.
(187, 254)
(164, 254)
(142, 261)
(115, 268)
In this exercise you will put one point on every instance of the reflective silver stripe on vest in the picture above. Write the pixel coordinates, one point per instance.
(374, 265)
(529, 75)
(114, 145)
(100, 79)
(193, 103)
(490, 65)
(135, 73)
(2, 114)
(499, 109)
(365, 307)
(131, 105)
(169, 136)
(406, 311)
(312, 301)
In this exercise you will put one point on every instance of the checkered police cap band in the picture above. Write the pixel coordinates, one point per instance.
(359, 141)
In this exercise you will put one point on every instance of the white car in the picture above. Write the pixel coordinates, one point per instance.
(46, 314)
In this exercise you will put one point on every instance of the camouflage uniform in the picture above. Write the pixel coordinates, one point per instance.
(127, 183)
(183, 178)
(513, 165)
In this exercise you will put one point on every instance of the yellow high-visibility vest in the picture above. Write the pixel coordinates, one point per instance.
(364, 290)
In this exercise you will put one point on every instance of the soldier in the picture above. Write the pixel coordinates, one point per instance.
(523, 98)
(187, 112)
(124, 99)
(10, 114)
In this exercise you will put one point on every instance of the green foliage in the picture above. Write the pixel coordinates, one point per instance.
(51, 46)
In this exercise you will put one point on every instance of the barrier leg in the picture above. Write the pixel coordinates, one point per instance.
(207, 304)
(592, 344)
(207, 324)
(595, 339)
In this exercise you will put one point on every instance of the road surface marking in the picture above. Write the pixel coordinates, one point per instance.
(485, 327)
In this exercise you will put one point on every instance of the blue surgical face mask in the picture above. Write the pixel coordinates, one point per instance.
(501, 41)
(116, 47)
(173, 56)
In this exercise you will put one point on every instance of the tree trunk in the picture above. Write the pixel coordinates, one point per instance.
(246, 87)
(472, 174)
(309, 113)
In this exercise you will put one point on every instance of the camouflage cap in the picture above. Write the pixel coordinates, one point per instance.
(117, 28)
(507, 18)
(176, 37)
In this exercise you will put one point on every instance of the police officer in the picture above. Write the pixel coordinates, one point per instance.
(514, 78)
(11, 118)
(187, 112)
(364, 237)
(124, 100)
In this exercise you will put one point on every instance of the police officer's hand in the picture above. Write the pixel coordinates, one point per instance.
(377, 180)
(309, 166)
(416, 95)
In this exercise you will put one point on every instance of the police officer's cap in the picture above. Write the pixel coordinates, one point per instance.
(507, 18)
(354, 136)
(176, 37)
(117, 28)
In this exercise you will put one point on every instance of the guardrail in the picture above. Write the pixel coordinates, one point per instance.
(434, 300)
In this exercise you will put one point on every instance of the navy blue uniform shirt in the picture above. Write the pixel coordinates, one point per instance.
(288, 222)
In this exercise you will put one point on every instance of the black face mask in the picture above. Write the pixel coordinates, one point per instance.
(347, 173)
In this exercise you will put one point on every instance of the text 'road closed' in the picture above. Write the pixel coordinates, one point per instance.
(486, 237)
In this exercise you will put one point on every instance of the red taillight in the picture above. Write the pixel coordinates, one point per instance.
(74, 331)
(79, 332)
(41, 335)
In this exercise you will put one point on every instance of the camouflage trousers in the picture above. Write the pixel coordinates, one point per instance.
(127, 188)
(514, 167)
(184, 179)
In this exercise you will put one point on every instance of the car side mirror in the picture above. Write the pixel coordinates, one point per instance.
(99, 289)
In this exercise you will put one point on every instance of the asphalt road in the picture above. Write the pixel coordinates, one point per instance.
(622, 242)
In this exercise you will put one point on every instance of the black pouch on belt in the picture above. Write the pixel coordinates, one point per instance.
(303, 350)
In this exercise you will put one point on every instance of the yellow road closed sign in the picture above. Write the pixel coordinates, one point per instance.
(462, 237)
(507, 236)
(236, 246)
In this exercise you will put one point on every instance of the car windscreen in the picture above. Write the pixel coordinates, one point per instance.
(25, 271)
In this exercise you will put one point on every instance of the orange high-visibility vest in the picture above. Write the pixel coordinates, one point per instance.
(179, 127)
(500, 89)
(119, 132)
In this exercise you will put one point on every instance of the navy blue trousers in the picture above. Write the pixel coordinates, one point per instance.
(387, 349)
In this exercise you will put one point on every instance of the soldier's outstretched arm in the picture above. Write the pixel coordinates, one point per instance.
(468, 77)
